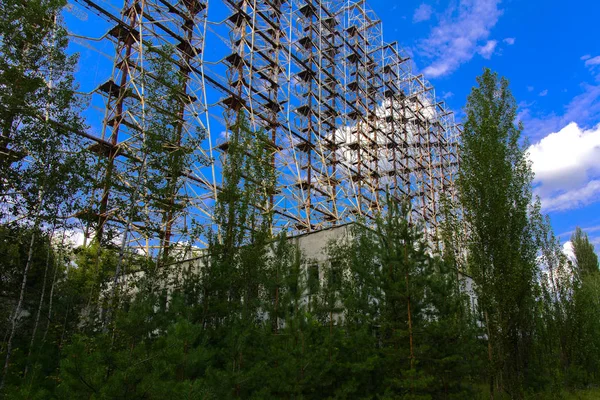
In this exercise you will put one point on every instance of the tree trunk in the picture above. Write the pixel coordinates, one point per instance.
(490, 356)
(410, 336)
(50, 300)
(17, 311)
(410, 327)
(5, 140)
(39, 310)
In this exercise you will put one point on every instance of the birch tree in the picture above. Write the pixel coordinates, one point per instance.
(41, 159)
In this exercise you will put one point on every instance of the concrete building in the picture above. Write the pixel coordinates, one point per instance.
(316, 260)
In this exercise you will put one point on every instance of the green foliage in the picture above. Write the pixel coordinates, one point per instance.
(14, 248)
(43, 167)
(248, 182)
(383, 318)
(41, 161)
(38, 353)
(170, 150)
(583, 346)
(494, 188)
(247, 326)
(586, 260)
(405, 320)
(567, 345)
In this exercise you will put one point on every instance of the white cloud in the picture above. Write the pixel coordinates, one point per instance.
(566, 156)
(543, 92)
(458, 36)
(422, 13)
(586, 57)
(592, 61)
(447, 95)
(568, 250)
(509, 41)
(593, 64)
(73, 237)
(567, 161)
(573, 199)
(488, 50)
(566, 164)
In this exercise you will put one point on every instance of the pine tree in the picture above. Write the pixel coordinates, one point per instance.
(406, 330)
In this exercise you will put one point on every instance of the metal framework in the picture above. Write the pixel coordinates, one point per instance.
(347, 119)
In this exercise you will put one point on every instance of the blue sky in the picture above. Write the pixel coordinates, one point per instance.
(550, 52)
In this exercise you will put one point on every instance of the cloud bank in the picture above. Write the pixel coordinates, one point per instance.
(567, 168)
(460, 34)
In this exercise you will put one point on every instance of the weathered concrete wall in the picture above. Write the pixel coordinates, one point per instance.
(313, 246)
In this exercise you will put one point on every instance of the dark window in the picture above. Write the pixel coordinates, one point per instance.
(336, 274)
(313, 278)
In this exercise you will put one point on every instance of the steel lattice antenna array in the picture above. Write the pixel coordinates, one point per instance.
(347, 119)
